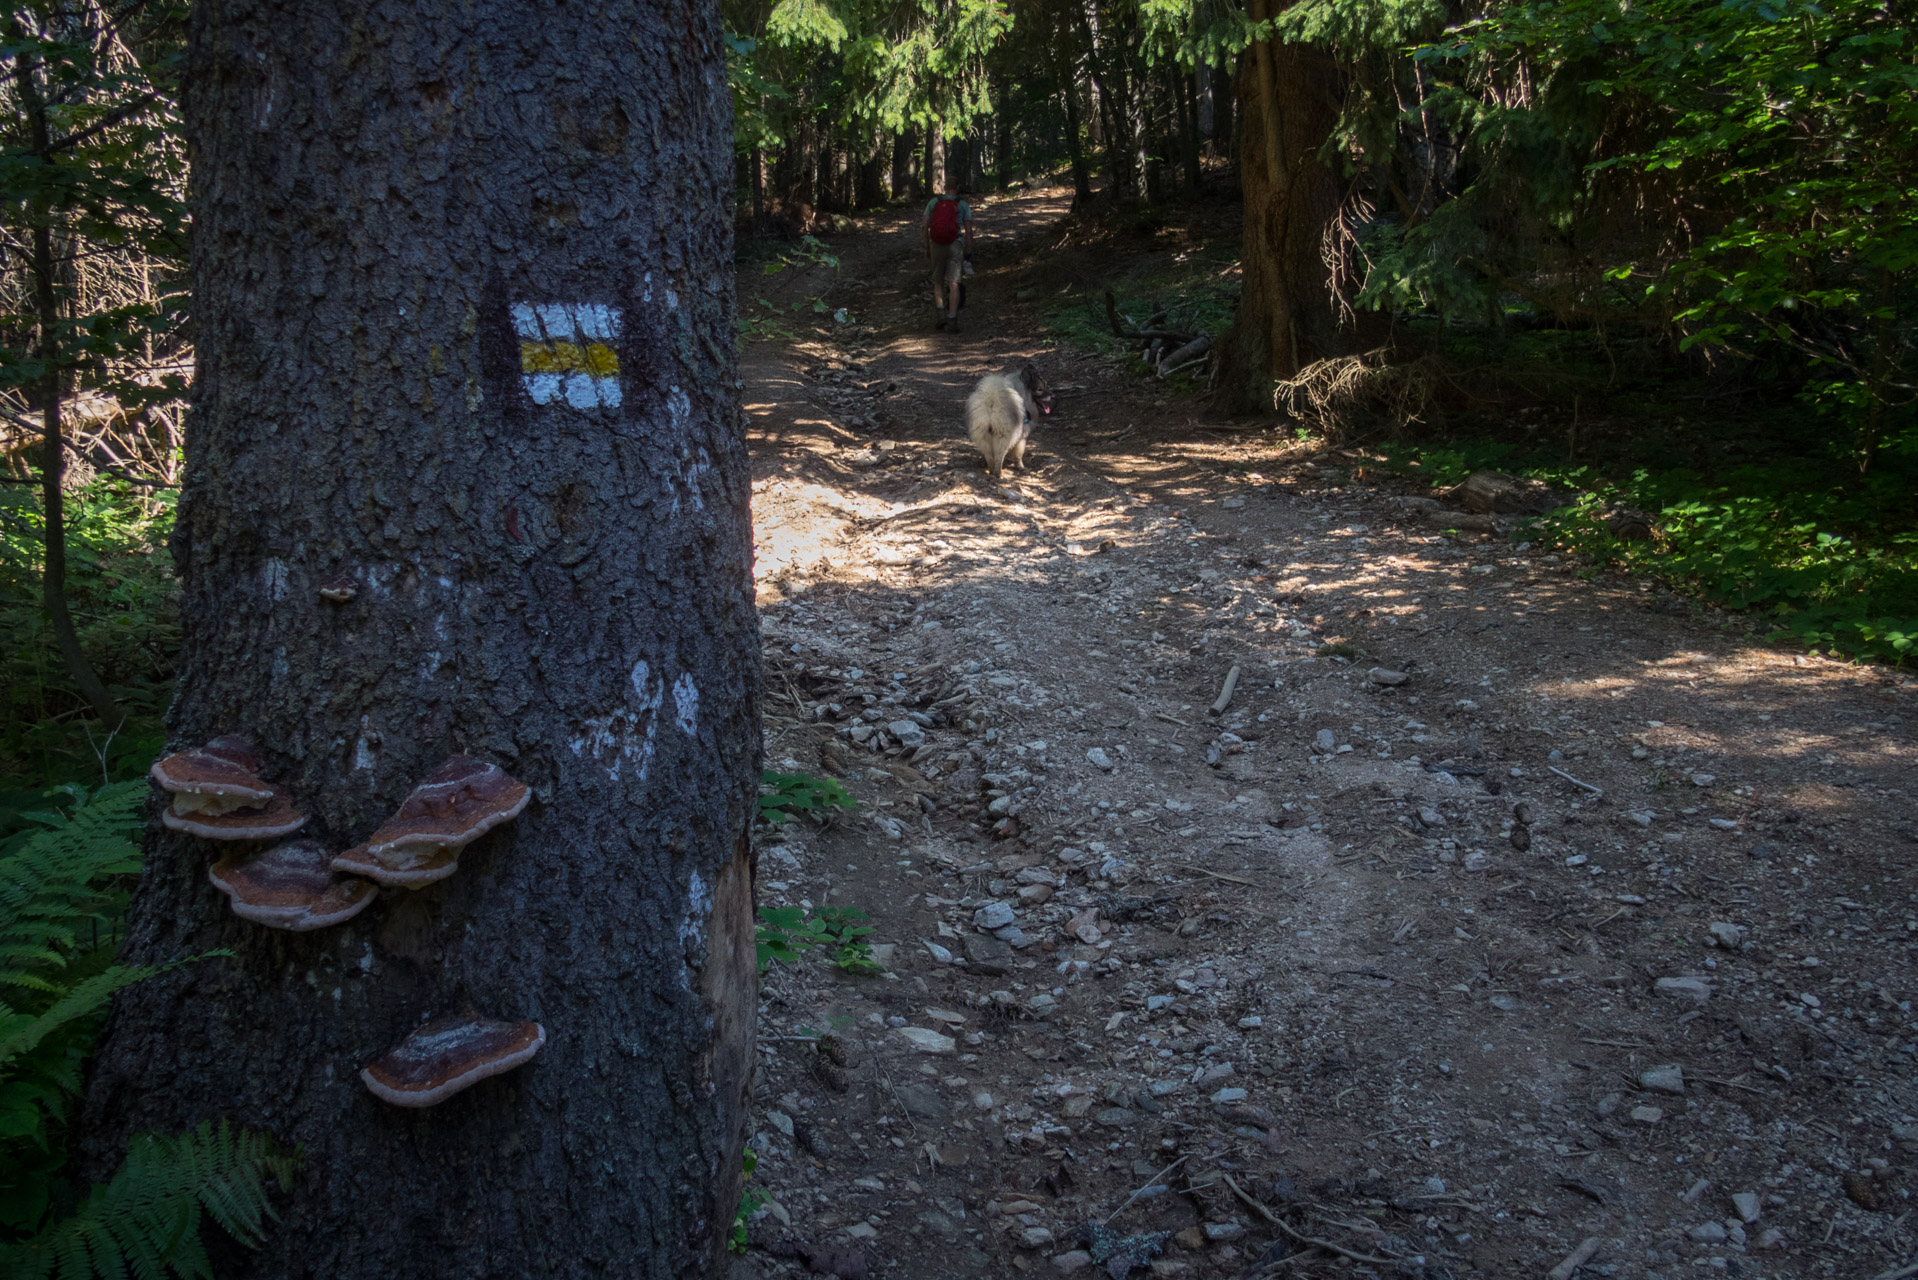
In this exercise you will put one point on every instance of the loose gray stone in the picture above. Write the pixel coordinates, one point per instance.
(1223, 1232)
(1697, 990)
(1226, 1097)
(1647, 1115)
(909, 734)
(1746, 1203)
(1704, 779)
(1077, 1260)
(1380, 675)
(924, 1101)
(1477, 861)
(1117, 1118)
(1668, 1078)
(1035, 1238)
(1324, 740)
(997, 915)
(1706, 1233)
(1431, 818)
(926, 1041)
(1726, 934)
(1099, 758)
(986, 952)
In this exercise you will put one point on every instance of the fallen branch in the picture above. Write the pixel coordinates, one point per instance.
(1314, 1241)
(1574, 1260)
(1149, 1181)
(1225, 694)
(1190, 353)
(1599, 791)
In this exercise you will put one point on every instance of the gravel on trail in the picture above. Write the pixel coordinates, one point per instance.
(1505, 914)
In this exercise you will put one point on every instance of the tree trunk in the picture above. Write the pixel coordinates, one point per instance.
(903, 183)
(935, 160)
(1002, 138)
(1185, 86)
(1081, 176)
(404, 219)
(1287, 315)
(52, 390)
(759, 191)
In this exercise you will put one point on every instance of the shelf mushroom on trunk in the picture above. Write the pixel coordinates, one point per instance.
(217, 793)
(458, 803)
(291, 886)
(440, 1058)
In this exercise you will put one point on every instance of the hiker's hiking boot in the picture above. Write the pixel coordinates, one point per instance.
(942, 324)
(952, 325)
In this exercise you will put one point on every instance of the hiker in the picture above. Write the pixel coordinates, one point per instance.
(948, 235)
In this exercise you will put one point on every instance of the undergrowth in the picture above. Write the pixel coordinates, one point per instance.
(65, 863)
(1827, 557)
(1197, 288)
(124, 601)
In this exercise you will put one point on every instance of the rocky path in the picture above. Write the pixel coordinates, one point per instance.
(1499, 910)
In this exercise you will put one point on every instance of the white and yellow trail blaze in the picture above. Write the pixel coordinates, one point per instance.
(567, 350)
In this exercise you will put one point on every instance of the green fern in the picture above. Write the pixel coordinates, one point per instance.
(61, 898)
(146, 1221)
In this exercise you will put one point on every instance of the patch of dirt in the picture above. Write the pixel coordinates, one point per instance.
(1501, 908)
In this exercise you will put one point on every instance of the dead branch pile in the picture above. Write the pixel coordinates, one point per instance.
(1165, 350)
(1337, 395)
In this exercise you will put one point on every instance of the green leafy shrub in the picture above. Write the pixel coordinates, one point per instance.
(788, 933)
(62, 892)
(750, 1199)
(124, 600)
(785, 796)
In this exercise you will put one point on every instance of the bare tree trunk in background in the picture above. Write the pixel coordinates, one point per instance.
(1081, 175)
(935, 160)
(904, 185)
(759, 191)
(1187, 96)
(1287, 314)
(872, 173)
(52, 389)
(463, 281)
(1002, 138)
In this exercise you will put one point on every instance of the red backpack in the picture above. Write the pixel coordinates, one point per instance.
(945, 220)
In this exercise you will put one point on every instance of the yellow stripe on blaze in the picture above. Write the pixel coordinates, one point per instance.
(596, 359)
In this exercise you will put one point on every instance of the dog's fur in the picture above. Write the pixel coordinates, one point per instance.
(999, 415)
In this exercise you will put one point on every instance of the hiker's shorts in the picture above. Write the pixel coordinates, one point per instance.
(948, 260)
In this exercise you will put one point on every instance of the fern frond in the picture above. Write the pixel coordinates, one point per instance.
(146, 1221)
(49, 884)
(20, 1033)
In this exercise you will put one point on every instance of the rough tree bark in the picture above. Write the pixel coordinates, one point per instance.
(1288, 314)
(463, 281)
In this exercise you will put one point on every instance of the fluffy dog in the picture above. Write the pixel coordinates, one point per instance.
(999, 415)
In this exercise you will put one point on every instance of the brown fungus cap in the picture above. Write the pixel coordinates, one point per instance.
(291, 886)
(446, 1055)
(217, 778)
(403, 868)
(269, 821)
(458, 803)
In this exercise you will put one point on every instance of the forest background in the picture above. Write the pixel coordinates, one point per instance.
(1657, 255)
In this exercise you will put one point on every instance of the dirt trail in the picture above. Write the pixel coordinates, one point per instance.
(1555, 902)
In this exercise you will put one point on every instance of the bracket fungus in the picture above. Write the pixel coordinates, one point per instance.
(458, 803)
(217, 793)
(442, 1057)
(403, 869)
(290, 886)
